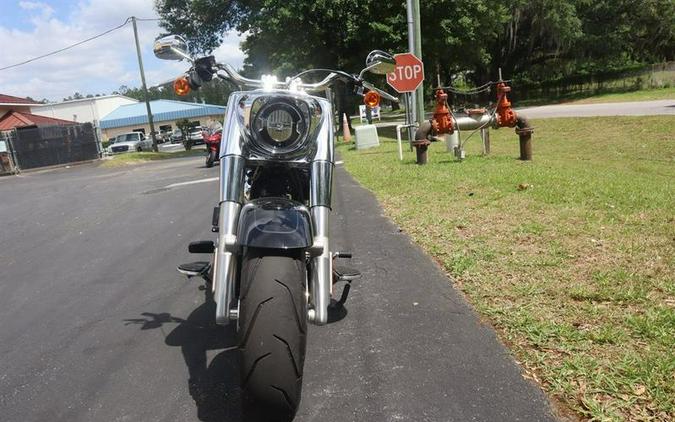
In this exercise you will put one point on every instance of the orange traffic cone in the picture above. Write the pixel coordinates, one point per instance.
(345, 128)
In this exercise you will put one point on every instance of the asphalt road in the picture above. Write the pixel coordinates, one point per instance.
(636, 108)
(98, 326)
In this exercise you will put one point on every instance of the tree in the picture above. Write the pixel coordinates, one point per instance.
(215, 92)
(336, 33)
(528, 39)
(184, 126)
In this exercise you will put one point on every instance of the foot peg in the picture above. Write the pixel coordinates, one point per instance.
(202, 246)
(341, 273)
(346, 273)
(194, 269)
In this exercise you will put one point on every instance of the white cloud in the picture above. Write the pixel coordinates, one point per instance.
(35, 5)
(43, 10)
(229, 51)
(100, 66)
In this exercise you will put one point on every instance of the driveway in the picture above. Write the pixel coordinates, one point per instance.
(98, 326)
(636, 108)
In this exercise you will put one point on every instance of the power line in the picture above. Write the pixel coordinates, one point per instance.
(73, 45)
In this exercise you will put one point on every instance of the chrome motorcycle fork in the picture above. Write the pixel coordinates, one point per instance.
(225, 261)
(322, 260)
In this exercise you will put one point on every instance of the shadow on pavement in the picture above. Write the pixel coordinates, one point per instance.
(214, 387)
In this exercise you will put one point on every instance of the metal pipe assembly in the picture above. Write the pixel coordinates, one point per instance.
(474, 121)
(524, 131)
(445, 122)
(422, 142)
(507, 117)
(441, 123)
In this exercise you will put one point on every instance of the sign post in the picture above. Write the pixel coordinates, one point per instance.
(407, 76)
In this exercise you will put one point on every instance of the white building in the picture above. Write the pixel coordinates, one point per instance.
(165, 114)
(85, 110)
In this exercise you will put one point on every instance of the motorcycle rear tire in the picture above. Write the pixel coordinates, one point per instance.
(272, 333)
(210, 159)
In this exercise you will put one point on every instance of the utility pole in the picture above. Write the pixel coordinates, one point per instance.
(145, 88)
(417, 37)
(411, 48)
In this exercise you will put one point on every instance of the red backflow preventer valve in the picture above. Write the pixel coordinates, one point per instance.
(441, 122)
(506, 117)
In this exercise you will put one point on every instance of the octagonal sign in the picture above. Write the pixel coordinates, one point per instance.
(408, 75)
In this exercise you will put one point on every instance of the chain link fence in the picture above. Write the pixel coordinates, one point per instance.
(661, 75)
(6, 157)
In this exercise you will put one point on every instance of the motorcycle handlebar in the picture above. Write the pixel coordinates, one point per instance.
(235, 77)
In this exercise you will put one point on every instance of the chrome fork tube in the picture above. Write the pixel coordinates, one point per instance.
(322, 260)
(322, 268)
(225, 269)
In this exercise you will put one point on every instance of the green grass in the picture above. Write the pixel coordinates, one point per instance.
(576, 272)
(141, 157)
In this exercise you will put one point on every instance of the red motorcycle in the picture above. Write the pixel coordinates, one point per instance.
(212, 141)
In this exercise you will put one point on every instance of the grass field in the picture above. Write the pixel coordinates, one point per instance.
(571, 256)
(140, 157)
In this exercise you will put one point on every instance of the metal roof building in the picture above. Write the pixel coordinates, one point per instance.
(10, 102)
(15, 119)
(162, 111)
(91, 109)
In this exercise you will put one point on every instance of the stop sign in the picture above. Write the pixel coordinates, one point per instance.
(408, 75)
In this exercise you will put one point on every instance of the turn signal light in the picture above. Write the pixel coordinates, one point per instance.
(181, 86)
(371, 99)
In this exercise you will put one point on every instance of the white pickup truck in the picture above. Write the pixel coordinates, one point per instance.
(130, 142)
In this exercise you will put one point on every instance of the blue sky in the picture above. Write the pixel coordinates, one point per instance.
(30, 28)
(14, 16)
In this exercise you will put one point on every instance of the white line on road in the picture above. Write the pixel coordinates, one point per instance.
(191, 182)
(339, 162)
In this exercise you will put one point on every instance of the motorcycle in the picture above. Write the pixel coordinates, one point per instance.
(212, 140)
(273, 270)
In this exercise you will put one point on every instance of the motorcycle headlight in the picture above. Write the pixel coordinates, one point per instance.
(279, 126)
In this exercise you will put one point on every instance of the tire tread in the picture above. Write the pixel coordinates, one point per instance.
(272, 341)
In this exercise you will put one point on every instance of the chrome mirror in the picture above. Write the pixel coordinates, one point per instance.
(171, 47)
(380, 62)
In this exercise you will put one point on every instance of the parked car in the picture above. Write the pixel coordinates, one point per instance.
(163, 136)
(111, 142)
(131, 142)
(195, 135)
(176, 136)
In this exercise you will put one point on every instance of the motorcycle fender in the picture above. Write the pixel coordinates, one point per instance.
(276, 223)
